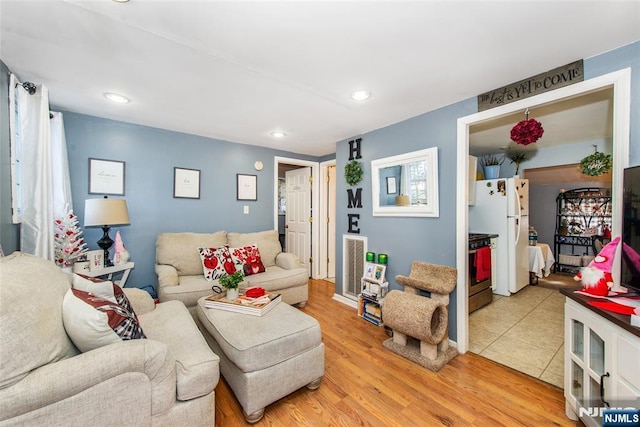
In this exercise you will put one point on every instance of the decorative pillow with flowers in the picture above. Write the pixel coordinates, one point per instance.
(247, 259)
(216, 262)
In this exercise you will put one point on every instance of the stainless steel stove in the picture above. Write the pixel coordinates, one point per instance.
(479, 286)
(479, 240)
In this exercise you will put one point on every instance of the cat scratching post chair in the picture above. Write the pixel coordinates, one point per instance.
(420, 324)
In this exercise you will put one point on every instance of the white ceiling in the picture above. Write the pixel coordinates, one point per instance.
(237, 70)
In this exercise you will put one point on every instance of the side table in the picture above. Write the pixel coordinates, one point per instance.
(125, 269)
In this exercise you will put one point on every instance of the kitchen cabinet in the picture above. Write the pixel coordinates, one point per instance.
(581, 215)
(472, 174)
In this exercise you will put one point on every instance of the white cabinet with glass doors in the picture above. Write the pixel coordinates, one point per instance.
(601, 365)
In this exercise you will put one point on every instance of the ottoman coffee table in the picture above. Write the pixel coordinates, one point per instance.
(264, 358)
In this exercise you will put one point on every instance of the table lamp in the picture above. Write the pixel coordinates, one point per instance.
(104, 213)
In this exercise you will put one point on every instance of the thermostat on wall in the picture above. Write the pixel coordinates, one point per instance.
(258, 165)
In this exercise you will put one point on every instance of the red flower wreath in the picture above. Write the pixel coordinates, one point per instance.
(527, 132)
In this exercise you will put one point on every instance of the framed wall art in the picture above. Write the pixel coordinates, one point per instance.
(247, 187)
(186, 183)
(391, 185)
(106, 177)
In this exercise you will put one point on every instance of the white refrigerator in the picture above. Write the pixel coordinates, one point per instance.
(502, 207)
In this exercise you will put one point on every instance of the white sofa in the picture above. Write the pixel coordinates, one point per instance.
(181, 277)
(167, 379)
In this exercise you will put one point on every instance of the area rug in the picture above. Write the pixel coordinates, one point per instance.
(558, 281)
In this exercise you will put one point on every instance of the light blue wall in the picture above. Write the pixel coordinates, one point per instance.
(554, 156)
(434, 239)
(618, 59)
(406, 239)
(150, 155)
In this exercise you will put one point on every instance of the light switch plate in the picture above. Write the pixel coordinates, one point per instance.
(246, 210)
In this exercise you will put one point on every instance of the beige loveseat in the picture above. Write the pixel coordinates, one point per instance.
(181, 277)
(167, 379)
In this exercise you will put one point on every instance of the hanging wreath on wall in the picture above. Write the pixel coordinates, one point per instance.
(353, 172)
(527, 131)
(596, 164)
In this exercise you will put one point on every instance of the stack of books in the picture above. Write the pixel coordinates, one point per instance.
(243, 304)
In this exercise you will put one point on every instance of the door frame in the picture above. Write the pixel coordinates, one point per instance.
(315, 204)
(324, 205)
(621, 83)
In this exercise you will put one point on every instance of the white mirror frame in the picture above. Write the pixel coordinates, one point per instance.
(430, 209)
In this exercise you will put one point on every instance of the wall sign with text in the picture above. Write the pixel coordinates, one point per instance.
(354, 199)
(545, 82)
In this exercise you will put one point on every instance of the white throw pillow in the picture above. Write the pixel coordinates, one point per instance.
(98, 287)
(92, 321)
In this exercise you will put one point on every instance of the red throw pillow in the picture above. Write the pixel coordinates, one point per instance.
(248, 259)
(216, 262)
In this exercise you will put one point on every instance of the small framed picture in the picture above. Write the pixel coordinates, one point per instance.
(391, 185)
(96, 260)
(186, 183)
(247, 187)
(106, 177)
(374, 272)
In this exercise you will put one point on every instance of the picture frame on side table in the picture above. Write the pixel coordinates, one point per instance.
(247, 187)
(186, 183)
(96, 260)
(106, 177)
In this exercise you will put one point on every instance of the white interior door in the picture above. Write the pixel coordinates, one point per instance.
(331, 223)
(298, 214)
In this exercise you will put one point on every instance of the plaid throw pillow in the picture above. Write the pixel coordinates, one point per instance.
(93, 321)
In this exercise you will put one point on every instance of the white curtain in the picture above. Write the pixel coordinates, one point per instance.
(62, 202)
(43, 174)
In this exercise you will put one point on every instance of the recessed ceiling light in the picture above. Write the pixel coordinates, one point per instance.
(360, 95)
(116, 98)
(121, 1)
(278, 134)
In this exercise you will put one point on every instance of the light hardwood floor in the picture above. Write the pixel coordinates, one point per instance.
(365, 384)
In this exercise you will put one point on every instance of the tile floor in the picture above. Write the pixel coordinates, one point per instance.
(524, 331)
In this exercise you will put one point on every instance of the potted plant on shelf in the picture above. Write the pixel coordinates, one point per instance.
(517, 157)
(230, 282)
(491, 165)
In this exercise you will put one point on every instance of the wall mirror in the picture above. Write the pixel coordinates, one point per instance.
(406, 184)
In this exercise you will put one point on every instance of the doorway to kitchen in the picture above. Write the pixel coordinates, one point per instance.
(526, 331)
(620, 81)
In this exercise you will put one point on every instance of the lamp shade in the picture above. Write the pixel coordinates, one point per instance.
(99, 212)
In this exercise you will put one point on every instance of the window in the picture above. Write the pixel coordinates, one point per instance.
(417, 172)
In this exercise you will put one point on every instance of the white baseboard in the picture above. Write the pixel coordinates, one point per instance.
(346, 301)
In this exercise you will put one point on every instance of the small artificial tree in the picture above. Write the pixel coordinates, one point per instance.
(68, 241)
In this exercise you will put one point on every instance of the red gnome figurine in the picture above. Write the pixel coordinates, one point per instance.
(596, 277)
